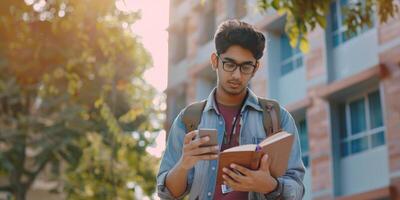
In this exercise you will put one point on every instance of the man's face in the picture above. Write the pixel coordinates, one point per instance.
(234, 82)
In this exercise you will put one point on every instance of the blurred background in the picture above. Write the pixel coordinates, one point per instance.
(89, 89)
(79, 110)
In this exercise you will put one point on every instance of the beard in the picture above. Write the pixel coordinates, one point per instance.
(233, 88)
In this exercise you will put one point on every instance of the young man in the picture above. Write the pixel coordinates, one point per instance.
(234, 110)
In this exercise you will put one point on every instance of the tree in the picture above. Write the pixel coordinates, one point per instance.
(303, 16)
(71, 94)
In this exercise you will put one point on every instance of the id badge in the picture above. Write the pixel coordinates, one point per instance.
(226, 189)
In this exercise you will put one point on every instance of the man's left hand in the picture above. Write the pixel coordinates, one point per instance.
(250, 180)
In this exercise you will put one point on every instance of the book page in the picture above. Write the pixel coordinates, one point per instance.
(274, 138)
(246, 147)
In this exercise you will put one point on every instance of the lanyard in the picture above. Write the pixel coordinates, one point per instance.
(235, 119)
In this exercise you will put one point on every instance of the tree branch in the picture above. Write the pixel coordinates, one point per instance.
(32, 175)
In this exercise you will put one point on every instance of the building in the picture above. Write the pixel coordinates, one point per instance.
(343, 93)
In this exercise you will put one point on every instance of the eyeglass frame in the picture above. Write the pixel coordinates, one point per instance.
(237, 65)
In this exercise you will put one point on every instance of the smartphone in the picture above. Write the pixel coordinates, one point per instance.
(212, 133)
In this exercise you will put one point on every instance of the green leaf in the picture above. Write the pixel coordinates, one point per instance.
(275, 4)
(304, 45)
(321, 20)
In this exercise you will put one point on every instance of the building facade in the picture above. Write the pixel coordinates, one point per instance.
(344, 93)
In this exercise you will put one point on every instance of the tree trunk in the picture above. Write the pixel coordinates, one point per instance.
(20, 194)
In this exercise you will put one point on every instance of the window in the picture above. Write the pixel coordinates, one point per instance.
(361, 124)
(340, 34)
(302, 125)
(291, 58)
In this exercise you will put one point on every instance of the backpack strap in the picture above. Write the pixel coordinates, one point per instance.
(271, 116)
(191, 116)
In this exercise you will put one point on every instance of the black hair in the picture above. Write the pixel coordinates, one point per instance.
(235, 32)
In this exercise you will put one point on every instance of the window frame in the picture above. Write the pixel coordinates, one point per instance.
(341, 27)
(304, 153)
(368, 132)
(295, 55)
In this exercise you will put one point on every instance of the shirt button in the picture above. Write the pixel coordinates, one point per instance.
(220, 122)
(213, 168)
(209, 194)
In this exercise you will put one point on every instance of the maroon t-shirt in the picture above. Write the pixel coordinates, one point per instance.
(229, 113)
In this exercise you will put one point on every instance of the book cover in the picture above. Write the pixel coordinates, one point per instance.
(277, 146)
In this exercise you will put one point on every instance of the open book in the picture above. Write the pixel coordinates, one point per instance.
(277, 146)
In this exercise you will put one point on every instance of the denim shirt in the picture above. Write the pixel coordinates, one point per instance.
(202, 177)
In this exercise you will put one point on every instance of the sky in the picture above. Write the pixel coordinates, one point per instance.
(152, 32)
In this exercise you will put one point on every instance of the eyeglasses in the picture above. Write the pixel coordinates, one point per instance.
(229, 66)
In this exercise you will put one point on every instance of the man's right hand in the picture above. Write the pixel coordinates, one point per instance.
(192, 152)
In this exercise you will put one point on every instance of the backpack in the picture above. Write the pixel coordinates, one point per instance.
(271, 115)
